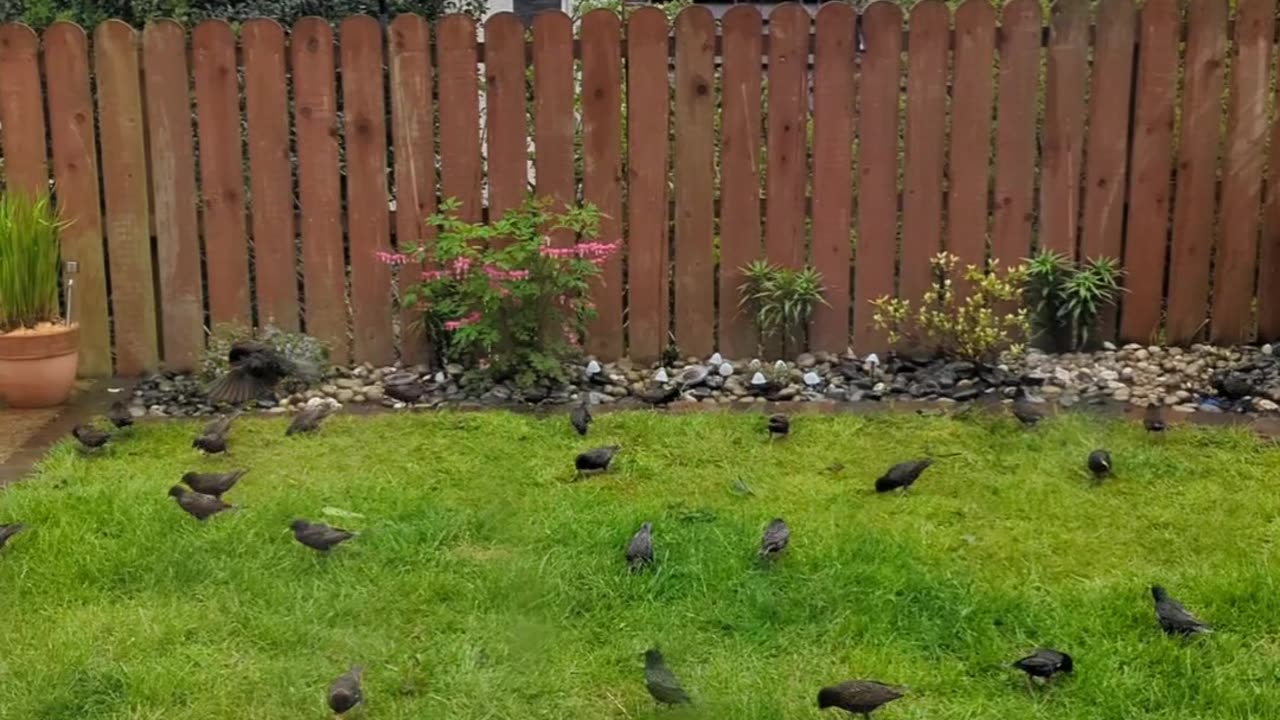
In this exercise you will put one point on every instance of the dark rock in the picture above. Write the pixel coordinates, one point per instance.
(965, 394)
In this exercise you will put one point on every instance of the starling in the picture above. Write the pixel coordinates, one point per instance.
(779, 426)
(214, 484)
(1044, 663)
(198, 505)
(408, 393)
(640, 549)
(1100, 463)
(580, 417)
(319, 536)
(661, 682)
(903, 475)
(309, 419)
(1174, 619)
(345, 692)
(255, 370)
(659, 394)
(1028, 413)
(119, 415)
(597, 460)
(775, 539)
(213, 439)
(8, 531)
(90, 437)
(1153, 418)
(858, 697)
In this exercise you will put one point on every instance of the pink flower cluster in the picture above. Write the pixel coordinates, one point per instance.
(471, 319)
(456, 269)
(596, 252)
(495, 273)
(392, 258)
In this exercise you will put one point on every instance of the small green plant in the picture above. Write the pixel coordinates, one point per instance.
(501, 295)
(306, 351)
(1066, 297)
(781, 299)
(976, 325)
(30, 232)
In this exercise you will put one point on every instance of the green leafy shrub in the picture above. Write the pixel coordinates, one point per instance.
(88, 13)
(781, 299)
(306, 351)
(498, 295)
(30, 232)
(1066, 297)
(976, 325)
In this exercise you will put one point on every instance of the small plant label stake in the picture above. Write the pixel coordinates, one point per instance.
(70, 268)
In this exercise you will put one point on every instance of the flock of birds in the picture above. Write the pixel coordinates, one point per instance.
(255, 369)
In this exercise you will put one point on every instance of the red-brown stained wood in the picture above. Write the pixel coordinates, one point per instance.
(930, 27)
(368, 227)
(75, 173)
(1269, 251)
(878, 88)
(270, 173)
(459, 114)
(647, 183)
(1193, 210)
(693, 183)
(415, 168)
(319, 191)
(22, 110)
(553, 113)
(971, 119)
(1242, 172)
(602, 167)
(506, 112)
(173, 186)
(1063, 139)
(1149, 185)
(833, 91)
(740, 155)
(1019, 81)
(124, 165)
(213, 47)
(788, 103)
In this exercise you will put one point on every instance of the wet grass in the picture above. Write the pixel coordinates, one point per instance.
(485, 584)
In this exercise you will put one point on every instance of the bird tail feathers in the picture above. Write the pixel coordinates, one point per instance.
(234, 388)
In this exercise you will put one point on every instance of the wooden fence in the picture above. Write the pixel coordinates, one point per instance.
(1142, 135)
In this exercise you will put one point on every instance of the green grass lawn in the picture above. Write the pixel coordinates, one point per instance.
(485, 584)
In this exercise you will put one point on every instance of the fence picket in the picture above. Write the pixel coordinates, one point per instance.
(22, 110)
(460, 124)
(969, 174)
(602, 167)
(1019, 54)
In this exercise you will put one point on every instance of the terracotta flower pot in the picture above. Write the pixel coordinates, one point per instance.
(38, 367)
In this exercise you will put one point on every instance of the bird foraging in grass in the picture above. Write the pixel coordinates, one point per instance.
(1044, 663)
(214, 484)
(779, 426)
(198, 505)
(1174, 618)
(255, 370)
(1100, 464)
(775, 539)
(903, 475)
(1153, 418)
(662, 684)
(8, 531)
(595, 461)
(319, 536)
(858, 697)
(1027, 411)
(90, 437)
(213, 439)
(309, 419)
(345, 692)
(407, 393)
(119, 415)
(580, 418)
(640, 549)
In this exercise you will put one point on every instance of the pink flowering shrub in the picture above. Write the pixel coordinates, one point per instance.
(499, 295)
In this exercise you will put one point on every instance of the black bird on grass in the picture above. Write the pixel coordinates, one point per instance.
(1044, 663)
(198, 505)
(8, 531)
(319, 536)
(213, 439)
(903, 475)
(779, 426)
(1153, 418)
(255, 370)
(597, 460)
(90, 437)
(661, 682)
(1028, 413)
(214, 484)
(345, 692)
(640, 549)
(1174, 618)
(1100, 464)
(408, 393)
(775, 539)
(858, 697)
(119, 415)
(580, 418)
(309, 419)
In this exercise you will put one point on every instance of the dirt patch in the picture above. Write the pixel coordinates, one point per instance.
(18, 426)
